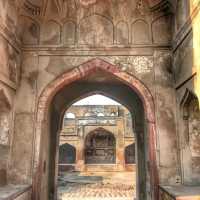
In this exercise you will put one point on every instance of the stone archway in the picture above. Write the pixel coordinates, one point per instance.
(74, 75)
(100, 147)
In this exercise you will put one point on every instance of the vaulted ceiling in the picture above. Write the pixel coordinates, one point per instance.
(38, 7)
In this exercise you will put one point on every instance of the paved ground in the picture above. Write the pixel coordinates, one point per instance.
(109, 186)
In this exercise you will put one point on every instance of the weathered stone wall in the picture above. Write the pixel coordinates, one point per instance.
(9, 79)
(86, 122)
(186, 73)
(126, 34)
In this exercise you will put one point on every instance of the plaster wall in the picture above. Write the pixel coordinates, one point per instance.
(9, 79)
(186, 73)
(133, 38)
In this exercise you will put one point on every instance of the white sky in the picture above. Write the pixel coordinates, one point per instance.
(96, 100)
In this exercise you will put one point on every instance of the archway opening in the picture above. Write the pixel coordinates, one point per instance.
(130, 154)
(97, 77)
(100, 147)
(67, 157)
(99, 128)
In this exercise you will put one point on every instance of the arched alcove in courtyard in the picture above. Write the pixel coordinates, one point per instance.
(100, 147)
(130, 154)
(67, 154)
(108, 80)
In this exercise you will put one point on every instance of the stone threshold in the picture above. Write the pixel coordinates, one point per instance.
(10, 192)
(182, 192)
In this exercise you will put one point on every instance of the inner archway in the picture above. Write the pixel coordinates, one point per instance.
(100, 147)
(100, 131)
(109, 80)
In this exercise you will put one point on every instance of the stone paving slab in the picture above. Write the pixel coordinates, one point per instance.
(97, 186)
(96, 191)
(12, 191)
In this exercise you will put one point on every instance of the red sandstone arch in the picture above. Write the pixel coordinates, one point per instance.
(76, 74)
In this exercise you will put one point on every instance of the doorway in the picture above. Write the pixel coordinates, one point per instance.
(95, 76)
(100, 147)
(99, 129)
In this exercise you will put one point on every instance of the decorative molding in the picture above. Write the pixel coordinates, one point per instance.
(184, 82)
(10, 38)
(8, 82)
(116, 51)
(31, 8)
(161, 5)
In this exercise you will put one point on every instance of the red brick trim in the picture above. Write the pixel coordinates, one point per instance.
(81, 72)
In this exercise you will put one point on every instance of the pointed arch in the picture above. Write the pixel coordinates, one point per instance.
(95, 141)
(77, 74)
(186, 100)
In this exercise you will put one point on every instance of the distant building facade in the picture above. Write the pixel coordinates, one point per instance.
(97, 138)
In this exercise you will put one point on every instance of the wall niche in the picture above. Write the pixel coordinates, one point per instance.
(50, 33)
(96, 30)
(5, 117)
(69, 30)
(122, 33)
(191, 125)
(140, 32)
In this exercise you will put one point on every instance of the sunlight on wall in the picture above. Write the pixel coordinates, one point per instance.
(196, 47)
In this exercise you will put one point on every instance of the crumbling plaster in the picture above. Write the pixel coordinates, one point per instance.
(33, 58)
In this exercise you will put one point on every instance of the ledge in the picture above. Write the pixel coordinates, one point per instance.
(182, 192)
(11, 192)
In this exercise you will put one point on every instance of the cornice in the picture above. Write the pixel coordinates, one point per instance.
(64, 51)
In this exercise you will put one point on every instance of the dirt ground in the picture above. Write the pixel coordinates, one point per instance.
(96, 186)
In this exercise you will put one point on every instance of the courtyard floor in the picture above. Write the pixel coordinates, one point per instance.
(98, 186)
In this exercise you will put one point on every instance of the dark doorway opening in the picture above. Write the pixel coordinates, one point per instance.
(130, 154)
(100, 147)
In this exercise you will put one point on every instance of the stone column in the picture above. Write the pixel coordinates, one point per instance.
(80, 161)
(120, 156)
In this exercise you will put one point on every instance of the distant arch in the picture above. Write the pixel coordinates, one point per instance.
(130, 154)
(100, 147)
(67, 154)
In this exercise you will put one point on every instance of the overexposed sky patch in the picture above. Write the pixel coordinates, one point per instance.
(96, 100)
